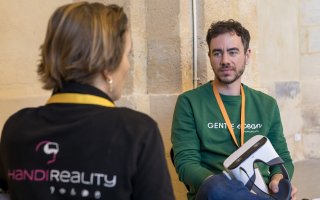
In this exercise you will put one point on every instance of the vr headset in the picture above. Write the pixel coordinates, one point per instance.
(240, 165)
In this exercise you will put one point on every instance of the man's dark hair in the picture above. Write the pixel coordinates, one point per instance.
(221, 27)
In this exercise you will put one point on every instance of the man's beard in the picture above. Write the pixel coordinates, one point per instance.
(236, 77)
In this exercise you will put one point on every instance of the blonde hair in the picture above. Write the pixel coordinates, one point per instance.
(82, 40)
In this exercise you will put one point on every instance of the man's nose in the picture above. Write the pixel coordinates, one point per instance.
(225, 59)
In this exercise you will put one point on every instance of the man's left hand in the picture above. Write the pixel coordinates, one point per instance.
(274, 186)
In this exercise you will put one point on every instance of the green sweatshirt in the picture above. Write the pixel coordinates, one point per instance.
(201, 140)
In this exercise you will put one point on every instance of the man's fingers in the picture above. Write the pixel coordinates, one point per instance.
(274, 187)
(274, 184)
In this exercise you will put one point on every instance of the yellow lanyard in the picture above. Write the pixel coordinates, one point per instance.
(226, 117)
(77, 98)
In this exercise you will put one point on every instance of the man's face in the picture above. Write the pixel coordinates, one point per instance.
(227, 57)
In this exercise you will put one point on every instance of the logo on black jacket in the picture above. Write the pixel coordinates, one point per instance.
(48, 148)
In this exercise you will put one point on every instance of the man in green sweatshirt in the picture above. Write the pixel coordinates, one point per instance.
(205, 132)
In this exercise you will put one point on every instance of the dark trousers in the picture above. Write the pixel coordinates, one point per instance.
(4, 196)
(219, 187)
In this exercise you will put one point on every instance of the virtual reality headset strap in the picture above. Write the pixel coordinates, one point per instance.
(284, 186)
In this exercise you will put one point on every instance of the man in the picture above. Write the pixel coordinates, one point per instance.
(202, 138)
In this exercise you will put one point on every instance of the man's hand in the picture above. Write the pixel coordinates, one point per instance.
(274, 185)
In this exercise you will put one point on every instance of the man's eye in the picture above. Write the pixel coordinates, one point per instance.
(216, 54)
(233, 53)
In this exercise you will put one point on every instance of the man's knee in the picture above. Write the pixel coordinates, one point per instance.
(214, 187)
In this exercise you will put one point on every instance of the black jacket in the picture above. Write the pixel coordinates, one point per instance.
(81, 151)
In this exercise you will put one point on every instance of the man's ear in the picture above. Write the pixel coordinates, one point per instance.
(248, 56)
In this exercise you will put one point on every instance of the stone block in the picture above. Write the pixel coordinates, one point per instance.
(309, 67)
(273, 63)
(139, 102)
(163, 18)
(163, 70)
(311, 118)
(311, 143)
(290, 111)
(23, 27)
(287, 89)
(289, 100)
(309, 92)
(296, 148)
(310, 12)
(163, 43)
(313, 39)
(161, 109)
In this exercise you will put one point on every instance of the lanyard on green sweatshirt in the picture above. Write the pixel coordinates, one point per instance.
(226, 117)
(76, 98)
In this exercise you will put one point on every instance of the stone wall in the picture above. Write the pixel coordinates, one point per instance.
(278, 65)
(285, 59)
(22, 31)
(309, 29)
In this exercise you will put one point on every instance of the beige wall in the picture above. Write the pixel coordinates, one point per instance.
(22, 30)
(285, 60)
(278, 64)
(309, 29)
